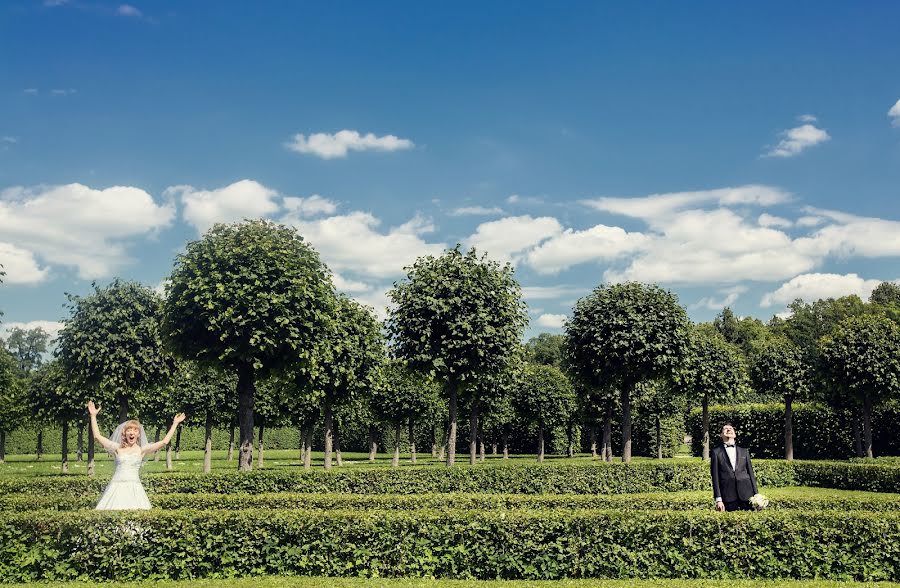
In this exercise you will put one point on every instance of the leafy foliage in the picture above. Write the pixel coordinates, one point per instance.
(28, 347)
(544, 397)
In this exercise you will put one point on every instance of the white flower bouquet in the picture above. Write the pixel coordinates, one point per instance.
(759, 501)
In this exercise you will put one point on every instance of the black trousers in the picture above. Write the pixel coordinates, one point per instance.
(738, 505)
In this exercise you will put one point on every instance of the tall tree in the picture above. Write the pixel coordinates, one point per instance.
(249, 297)
(455, 317)
(779, 367)
(862, 355)
(111, 342)
(54, 398)
(403, 397)
(544, 397)
(713, 370)
(661, 399)
(886, 294)
(204, 394)
(13, 404)
(623, 334)
(546, 349)
(347, 361)
(28, 346)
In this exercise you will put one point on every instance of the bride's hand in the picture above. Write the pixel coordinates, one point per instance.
(178, 418)
(92, 409)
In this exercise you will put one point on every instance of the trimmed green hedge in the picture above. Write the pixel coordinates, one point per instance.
(820, 432)
(781, 499)
(535, 544)
(586, 478)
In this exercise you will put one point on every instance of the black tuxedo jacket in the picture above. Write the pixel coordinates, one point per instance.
(730, 484)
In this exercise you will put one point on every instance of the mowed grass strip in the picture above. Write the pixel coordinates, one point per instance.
(795, 498)
(321, 582)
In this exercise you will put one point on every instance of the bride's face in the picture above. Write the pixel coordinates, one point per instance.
(130, 435)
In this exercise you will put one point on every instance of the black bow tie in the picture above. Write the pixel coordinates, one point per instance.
(729, 445)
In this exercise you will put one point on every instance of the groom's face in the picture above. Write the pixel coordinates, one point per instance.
(728, 434)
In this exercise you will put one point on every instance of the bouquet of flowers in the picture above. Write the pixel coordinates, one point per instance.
(759, 502)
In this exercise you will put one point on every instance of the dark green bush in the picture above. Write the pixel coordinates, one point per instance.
(781, 499)
(536, 544)
(586, 478)
(820, 432)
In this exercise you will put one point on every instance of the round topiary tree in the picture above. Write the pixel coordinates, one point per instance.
(456, 317)
(779, 367)
(543, 397)
(249, 297)
(623, 334)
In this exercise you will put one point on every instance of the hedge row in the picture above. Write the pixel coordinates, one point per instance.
(820, 432)
(536, 544)
(781, 499)
(583, 478)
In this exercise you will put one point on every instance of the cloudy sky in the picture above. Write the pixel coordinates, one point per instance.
(738, 154)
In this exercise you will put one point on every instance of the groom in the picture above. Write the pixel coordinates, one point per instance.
(733, 480)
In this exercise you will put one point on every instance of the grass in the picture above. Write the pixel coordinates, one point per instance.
(317, 582)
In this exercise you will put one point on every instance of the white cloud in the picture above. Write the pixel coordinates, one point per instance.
(75, 225)
(235, 202)
(768, 220)
(476, 211)
(661, 206)
(551, 292)
(505, 239)
(894, 114)
(376, 299)
(342, 284)
(809, 221)
(352, 242)
(50, 327)
(730, 297)
(516, 199)
(339, 144)
(810, 287)
(30, 91)
(128, 10)
(553, 321)
(20, 266)
(310, 206)
(807, 118)
(63, 91)
(53, 3)
(8, 139)
(798, 139)
(599, 243)
(850, 236)
(714, 246)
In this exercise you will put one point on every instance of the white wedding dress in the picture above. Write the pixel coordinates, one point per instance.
(125, 491)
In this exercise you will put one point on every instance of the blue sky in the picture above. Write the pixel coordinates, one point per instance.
(736, 154)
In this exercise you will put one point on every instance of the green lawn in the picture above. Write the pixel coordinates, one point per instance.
(283, 582)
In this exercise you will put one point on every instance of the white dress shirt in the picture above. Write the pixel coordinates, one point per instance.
(732, 455)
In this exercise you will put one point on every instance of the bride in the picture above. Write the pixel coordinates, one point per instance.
(129, 446)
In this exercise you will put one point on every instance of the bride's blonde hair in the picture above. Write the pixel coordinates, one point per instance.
(132, 424)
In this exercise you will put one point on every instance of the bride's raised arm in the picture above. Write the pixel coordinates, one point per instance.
(95, 430)
(153, 447)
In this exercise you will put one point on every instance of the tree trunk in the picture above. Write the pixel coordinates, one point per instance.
(262, 432)
(64, 465)
(788, 427)
(246, 392)
(494, 445)
(412, 441)
(178, 443)
(156, 440)
(329, 433)
(480, 445)
(2, 446)
(658, 438)
(169, 456)
(434, 447)
(123, 409)
(593, 441)
(207, 449)
(307, 459)
(607, 433)
(540, 455)
(302, 443)
(505, 444)
(451, 435)
(373, 444)
(395, 462)
(857, 436)
(40, 444)
(473, 432)
(79, 442)
(231, 443)
(90, 455)
(626, 424)
(337, 445)
(867, 425)
(570, 441)
(705, 426)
